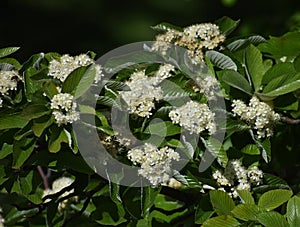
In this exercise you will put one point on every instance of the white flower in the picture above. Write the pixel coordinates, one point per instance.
(164, 72)
(221, 179)
(1, 101)
(155, 163)
(237, 177)
(163, 41)
(143, 92)
(173, 183)
(195, 117)
(208, 34)
(58, 185)
(8, 81)
(255, 175)
(258, 115)
(207, 86)
(195, 38)
(60, 69)
(64, 108)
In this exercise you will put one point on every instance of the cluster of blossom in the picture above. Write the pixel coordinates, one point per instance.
(64, 108)
(60, 69)
(237, 177)
(155, 163)
(143, 92)
(58, 185)
(195, 38)
(165, 71)
(207, 86)
(8, 81)
(258, 115)
(118, 142)
(194, 117)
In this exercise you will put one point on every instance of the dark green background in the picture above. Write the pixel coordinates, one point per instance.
(75, 26)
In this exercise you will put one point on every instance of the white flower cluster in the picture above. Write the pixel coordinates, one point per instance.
(207, 86)
(195, 117)
(8, 81)
(195, 38)
(64, 108)
(155, 163)
(57, 186)
(164, 72)
(258, 115)
(237, 177)
(60, 69)
(143, 92)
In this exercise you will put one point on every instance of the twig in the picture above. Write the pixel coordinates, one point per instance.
(290, 120)
(44, 176)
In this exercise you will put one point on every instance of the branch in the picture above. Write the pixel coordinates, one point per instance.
(290, 120)
(44, 176)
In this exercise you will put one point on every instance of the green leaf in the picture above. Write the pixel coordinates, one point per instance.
(79, 81)
(254, 64)
(264, 146)
(71, 161)
(222, 202)
(143, 223)
(293, 211)
(268, 63)
(227, 25)
(221, 221)
(221, 60)
(16, 120)
(7, 51)
(6, 149)
(201, 216)
(106, 101)
(246, 212)
(246, 197)
(251, 149)
(39, 125)
(189, 180)
(22, 150)
(11, 61)
(31, 87)
(107, 212)
(35, 111)
(166, 203)
(164, 27)
(272, 219)
(238, 44)
(282, 85)
(286, 45)
(216, 149)
(236, 80)
(256, 39)
(274, 198)
(163, 129)
(166, 218)
(116, 85)
(297, 63)
(150, 195)
(273, 180)
(278, 70)
(50, 89)
(58, 136)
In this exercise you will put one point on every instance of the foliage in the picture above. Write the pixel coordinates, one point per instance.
(38, 148)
